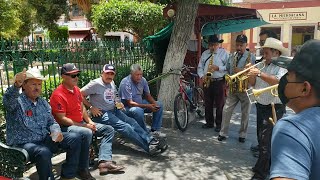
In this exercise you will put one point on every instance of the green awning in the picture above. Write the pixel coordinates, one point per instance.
(163, 34)
(229, 26)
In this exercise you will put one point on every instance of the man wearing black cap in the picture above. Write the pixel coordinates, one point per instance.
(68, 110)
(236, 63)
(295, 144)
(211, 69)
(106, 108)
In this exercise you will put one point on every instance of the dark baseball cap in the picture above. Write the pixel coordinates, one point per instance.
(109, 68)
(242, 38)
(69, 68)
(306, 62)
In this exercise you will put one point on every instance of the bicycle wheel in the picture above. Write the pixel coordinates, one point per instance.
(198, 100)
(180, 112)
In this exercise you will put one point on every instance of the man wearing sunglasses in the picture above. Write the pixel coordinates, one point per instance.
(68, 110)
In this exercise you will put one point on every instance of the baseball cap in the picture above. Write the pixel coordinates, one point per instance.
(242, 38)
(69, 68)
(109, 68)
(306, 62)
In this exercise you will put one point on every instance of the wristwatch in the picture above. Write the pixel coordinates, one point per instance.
(259, 74)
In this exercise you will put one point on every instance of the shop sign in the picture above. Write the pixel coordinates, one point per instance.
(288, 16)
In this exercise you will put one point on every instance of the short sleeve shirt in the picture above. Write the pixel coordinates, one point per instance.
(130, 90)
(66, 101)
(271, 69)
(295, 146)
(101, 95)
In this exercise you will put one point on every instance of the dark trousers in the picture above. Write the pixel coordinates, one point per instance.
(214, 94)
(41, 154)
(264, 112)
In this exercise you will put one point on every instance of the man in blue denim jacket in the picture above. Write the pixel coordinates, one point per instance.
(29, 121)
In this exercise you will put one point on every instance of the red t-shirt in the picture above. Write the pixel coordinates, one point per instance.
(63, 100)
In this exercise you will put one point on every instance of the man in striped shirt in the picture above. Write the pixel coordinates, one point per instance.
(262, 76)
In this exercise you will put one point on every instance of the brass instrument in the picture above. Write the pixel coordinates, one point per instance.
(253, 93)
(207, 77)
(240, 78)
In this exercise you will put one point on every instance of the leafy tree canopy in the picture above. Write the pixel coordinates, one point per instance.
(9, 18)
(143, 18)
(18, 17)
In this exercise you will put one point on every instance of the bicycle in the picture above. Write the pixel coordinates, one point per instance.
(190, 97)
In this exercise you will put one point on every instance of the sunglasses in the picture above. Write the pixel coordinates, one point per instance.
(73, 75)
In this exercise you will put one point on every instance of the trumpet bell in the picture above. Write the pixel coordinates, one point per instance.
(251, 96)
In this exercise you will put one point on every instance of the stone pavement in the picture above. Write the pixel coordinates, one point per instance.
(194, 154)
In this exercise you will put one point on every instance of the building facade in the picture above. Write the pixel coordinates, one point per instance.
(294, 21)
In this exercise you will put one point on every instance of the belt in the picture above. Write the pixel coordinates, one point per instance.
(217, 79)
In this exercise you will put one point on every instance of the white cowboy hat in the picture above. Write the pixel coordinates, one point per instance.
(34, 73)
(276, 44)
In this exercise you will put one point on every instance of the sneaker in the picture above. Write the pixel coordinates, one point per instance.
(162, 145)
(154, 149)
(158, 134)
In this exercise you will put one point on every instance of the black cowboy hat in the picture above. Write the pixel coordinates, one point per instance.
(214, 39)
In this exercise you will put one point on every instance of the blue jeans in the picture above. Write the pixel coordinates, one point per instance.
(86, 138)
(126, 126)
(138, 114)
(41, 154)
(107, 133)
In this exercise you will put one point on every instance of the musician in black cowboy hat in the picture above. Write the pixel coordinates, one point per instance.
(211, 69)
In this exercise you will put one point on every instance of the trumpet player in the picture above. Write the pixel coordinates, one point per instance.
(211, 69)
(262, 77)
(236, 94)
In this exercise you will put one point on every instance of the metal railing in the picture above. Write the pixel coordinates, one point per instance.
(89, 57)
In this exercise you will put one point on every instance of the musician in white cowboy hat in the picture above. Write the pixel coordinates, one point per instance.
(261, 77)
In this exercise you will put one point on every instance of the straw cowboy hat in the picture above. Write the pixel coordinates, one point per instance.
(34, 73)
(276, 44)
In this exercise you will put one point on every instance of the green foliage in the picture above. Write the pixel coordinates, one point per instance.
(48, 11)
(60, 32)
(213, 2)
(49, 86)
(9, 19)
(143, 18)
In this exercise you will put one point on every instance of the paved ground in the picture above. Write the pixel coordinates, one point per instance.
(194, 154)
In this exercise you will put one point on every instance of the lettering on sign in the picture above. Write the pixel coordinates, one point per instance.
(288, 16)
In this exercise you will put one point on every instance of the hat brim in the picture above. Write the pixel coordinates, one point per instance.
(282, 61)
(284, 51)
(74, 71)
(107, 71)
(38, 78)
(220, 41)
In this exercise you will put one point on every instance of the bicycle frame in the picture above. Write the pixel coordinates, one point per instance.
(182, 90)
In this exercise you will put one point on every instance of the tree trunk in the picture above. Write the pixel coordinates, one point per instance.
(177, 49)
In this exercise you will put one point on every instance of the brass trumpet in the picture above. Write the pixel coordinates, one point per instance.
(254, 93)
(233, 78)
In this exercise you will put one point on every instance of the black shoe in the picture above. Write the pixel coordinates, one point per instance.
(256, 154)
(206, 126)
(221, 138)
(217, 129)
(254, 148)
(242, 140)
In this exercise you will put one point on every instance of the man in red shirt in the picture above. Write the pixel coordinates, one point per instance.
(69, 112)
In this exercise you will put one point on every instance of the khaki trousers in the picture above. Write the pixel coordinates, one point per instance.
(231, 103)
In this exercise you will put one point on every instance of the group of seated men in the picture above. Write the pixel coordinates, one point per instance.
(41, 129)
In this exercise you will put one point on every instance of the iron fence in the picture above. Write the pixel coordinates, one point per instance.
(89, 57)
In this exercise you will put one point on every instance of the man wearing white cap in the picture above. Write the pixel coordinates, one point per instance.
(261, 77)
(30, 125)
